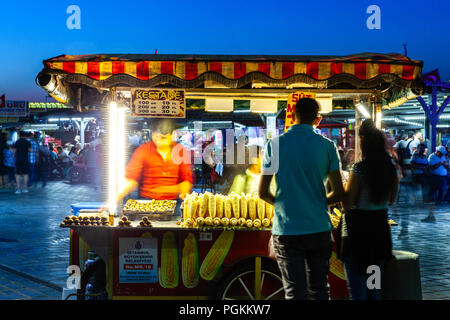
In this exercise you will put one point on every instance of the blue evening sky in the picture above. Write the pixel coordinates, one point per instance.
(31, 31)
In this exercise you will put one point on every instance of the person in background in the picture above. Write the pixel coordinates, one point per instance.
(9, 163)
(73, 155)
(438, 166)
(92, 165)
(22, 148)
(371, 188)
(44, 158)
(417, 139)
(419, 164)
(403, 151)
(32, 159)
(63, 160)
(3, 170)
(301, 161)
(248, 182)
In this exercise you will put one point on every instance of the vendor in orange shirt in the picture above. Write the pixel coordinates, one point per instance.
(160, 168)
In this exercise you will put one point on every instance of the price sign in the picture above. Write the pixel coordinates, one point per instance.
(158, 103)
(292, 100)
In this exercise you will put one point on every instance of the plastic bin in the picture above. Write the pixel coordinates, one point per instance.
(85, 206)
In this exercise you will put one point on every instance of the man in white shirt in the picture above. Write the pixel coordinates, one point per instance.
(418, 139)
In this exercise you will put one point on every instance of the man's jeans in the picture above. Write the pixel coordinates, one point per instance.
(304, 264)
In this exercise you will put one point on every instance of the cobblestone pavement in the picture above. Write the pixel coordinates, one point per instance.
(35, 247)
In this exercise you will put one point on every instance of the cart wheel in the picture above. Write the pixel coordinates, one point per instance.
(240, 284)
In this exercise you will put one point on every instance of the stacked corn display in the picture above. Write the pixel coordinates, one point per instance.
(233, 210)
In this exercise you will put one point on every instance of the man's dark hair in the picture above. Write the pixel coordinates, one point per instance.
(163, 125)
(22, 134)
(307, 110)
(411, 134)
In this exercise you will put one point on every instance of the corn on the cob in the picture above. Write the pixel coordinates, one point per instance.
(269, 210)
(168, 271)
(217, 221)
(257, 223)
(203, 205)
(189, 222)
(244, 206)
(208, 221)
(261, 209)
(252, 204)
(337, 212)
(212, 207)
(219, 206)
(242, 221)
(337, 267)
(193, 205)
(249, 223)
(186, 209)
(227, 207)
(200, 221)
(225, 221)
(190, 264)
(235, 203)
(265, 222)
(216, 255)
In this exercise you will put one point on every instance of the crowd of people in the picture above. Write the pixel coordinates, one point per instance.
(430, 170)
(26, 161)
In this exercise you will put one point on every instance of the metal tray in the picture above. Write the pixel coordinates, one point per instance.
(164, 215)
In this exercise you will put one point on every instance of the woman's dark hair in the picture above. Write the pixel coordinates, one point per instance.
(421, 149)
(378, 167)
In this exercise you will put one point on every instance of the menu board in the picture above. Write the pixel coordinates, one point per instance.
(158, 103)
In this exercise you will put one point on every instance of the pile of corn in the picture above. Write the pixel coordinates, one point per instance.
(233, 210)
(335, 217)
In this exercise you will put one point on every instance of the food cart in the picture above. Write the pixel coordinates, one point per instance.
(184, 257)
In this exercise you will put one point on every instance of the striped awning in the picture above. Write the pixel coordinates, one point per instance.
(189, 67)
(85, 79)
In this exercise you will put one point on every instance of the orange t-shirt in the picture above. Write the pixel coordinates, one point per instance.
(148, 168)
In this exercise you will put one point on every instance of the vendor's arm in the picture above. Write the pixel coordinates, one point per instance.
(129, 186)
(264, 189)
(269, 167)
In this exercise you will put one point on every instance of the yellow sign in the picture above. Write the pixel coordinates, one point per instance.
(292, 100)
(158, 103)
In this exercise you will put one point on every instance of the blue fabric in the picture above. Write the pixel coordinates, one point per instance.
(9, 160)
(32, 155)
(301, 161)
(433, 159)
(419, 160)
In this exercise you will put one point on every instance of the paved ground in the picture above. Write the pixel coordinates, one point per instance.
(34, 251)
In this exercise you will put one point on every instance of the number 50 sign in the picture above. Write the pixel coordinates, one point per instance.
(292, 100)
(158, 103)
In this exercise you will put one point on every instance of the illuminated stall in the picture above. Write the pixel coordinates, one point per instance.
(217, 245)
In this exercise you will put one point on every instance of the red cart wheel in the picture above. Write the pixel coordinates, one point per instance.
(240, 285)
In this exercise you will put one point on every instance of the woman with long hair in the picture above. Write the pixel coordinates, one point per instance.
(366, 237)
